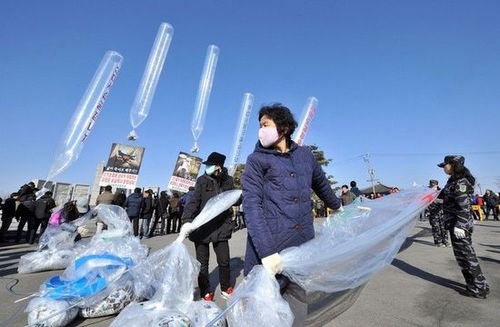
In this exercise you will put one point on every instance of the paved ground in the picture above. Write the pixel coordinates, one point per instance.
(418, 289)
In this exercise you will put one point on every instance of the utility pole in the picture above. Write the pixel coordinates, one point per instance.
(371, 172)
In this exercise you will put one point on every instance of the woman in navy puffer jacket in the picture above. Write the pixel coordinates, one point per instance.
(277, 182)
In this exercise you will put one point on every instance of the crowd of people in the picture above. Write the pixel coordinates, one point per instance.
(277, 182)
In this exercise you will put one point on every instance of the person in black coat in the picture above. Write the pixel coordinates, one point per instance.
(43, 210)
(217, 231)
(26, 210)
(147, 212)
(8, 212)
(133, 206)
(161, 213)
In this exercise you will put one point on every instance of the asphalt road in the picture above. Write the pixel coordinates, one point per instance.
(418, 289)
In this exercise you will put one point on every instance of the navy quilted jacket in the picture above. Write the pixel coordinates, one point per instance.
(277, 199)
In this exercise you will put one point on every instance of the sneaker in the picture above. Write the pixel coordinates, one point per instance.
(209, 297)
(227, 293)
(478, 295)
(448, 245)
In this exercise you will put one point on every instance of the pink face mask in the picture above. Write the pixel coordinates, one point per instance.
(268, 136)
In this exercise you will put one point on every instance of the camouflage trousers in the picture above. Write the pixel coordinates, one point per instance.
(439, 233)
(467, 260)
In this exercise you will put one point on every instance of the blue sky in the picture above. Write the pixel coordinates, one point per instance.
(408, 81)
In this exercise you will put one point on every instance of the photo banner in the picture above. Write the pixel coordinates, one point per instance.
(123, 166)
(185, 172)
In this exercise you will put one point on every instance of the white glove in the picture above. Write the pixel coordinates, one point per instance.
(273, 264)
(186, 229)
(459, 233)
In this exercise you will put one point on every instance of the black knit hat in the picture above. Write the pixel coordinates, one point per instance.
(215, 159)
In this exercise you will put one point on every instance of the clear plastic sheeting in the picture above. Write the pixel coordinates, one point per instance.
(101, 275)
(201, 313)
(257, 302)
(175, 276)
(215, 206)
(140, 108)
(350, 247)
(167, 277)
(44, 312)
(117, 299)
(241, 128)
(86, 113)
(204, 90)
(57, 248)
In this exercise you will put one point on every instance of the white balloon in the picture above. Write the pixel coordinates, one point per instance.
(204, 89)
(241, 128)
(307, 115)
(140, 109)
(86, 114)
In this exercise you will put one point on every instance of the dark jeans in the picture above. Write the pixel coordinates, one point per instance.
(25, 219)
(155, 222)
(38, 222)
(175, 220)
(135, 224)
(6, 221)
(202, 255)
(489, 209)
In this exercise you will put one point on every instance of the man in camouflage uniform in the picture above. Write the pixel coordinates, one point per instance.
(435, 214)
(458, 220)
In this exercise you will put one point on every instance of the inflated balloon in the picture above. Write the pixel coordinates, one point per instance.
(146, 91)
(86, 114)
(306, 119)
(246, 109)
(204, 89)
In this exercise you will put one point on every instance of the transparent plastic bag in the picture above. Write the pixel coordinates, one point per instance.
(215, 206)
(120, 295)
(203, 312)
(351, 247)
(56, 250)
(241, 128)
(204, 90)
(170, 273)
(167, 277)
(59, 313)
(257, 302)
(140, 109)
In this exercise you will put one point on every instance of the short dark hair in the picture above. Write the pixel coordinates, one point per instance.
(137, 190)
(108, 188)
(48, 193)
(281, 116)
(14, 194)
(353, 184)
(31, 184)
(345, 186)
(191, 188)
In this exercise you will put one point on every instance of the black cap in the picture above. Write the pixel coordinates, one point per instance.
(452, 159)
(215, 159)
(433, 182)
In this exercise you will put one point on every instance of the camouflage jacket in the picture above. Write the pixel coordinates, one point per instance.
(456, 204)
(435, 209)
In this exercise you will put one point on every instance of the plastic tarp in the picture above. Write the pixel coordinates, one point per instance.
(350, 247)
